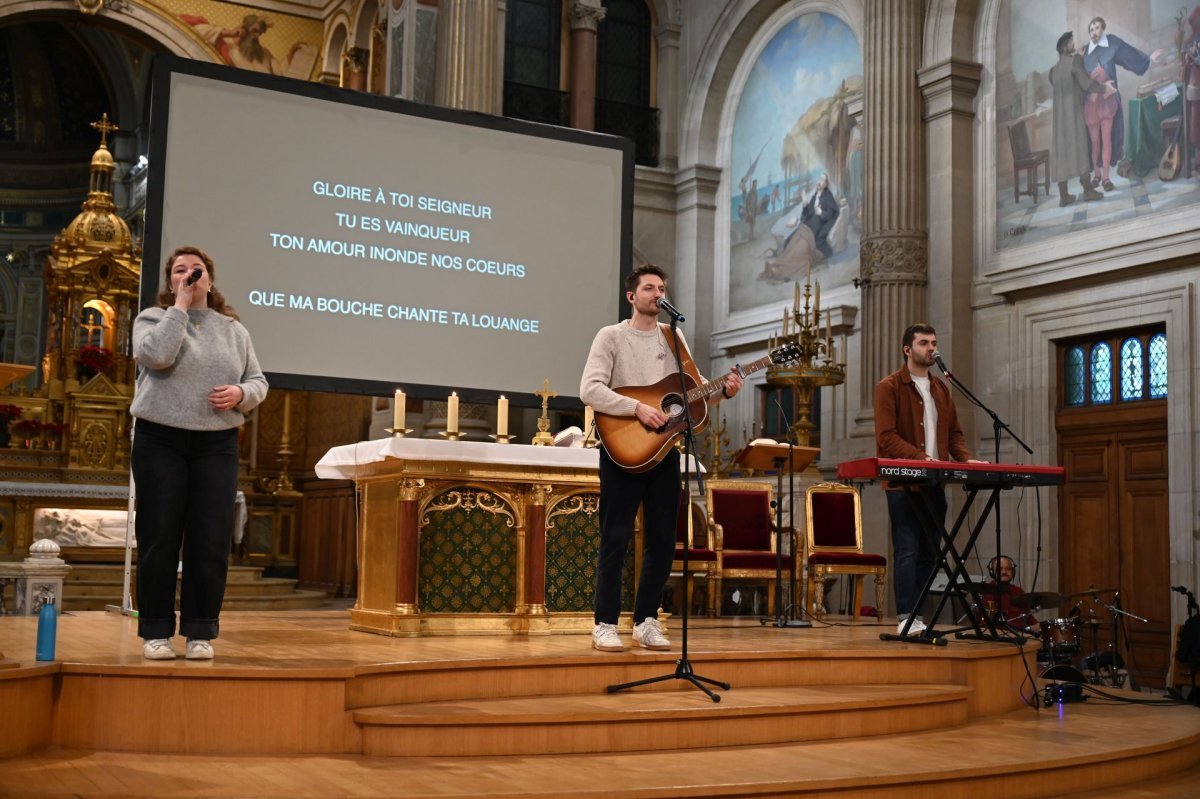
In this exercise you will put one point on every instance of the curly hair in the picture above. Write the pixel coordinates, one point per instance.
(216, 301)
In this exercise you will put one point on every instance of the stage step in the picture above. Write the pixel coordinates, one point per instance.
(94, 586)
(657, 721)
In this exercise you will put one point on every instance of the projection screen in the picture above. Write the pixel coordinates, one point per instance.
(369, 243)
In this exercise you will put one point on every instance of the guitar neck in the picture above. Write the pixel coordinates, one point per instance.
(710, 388)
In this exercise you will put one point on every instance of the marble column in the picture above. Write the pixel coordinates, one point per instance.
(949, 89)
(584, 17)
(895, 250)
(470, 55)
(667, 39)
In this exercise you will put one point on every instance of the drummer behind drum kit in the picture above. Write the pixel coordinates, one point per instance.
(1063, 638)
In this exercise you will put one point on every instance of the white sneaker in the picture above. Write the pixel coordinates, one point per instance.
(605, 638)
(158, 649)
(916, 628)
(650, 634)
(199, 649)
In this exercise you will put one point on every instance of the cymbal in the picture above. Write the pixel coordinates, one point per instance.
(1040, 599)
(1090, 591)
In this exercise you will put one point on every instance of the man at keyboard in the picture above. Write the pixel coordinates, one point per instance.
(915, 419)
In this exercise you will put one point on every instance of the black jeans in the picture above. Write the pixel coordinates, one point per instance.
(913, 552)
(621, 492)
(186, 483)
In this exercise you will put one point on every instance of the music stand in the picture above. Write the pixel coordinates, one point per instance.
(762, 455)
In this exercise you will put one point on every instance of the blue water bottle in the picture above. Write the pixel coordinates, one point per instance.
(47, 629)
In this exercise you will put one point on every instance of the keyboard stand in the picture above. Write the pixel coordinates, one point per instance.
(950, 561)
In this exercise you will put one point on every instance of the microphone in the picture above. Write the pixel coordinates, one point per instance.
(1180, 589)
(937, 358)
(197, 273)
(669, 309)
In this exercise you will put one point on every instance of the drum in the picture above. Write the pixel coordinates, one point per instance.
(1063, 673)
(1061, 639)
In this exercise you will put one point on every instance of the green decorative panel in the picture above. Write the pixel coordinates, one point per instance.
(572, 545)
(467, 554)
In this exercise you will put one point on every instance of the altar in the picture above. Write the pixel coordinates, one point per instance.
(462, 537)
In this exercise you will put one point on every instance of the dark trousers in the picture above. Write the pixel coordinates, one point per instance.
(913, 551)
(621, 492)
(186, 482)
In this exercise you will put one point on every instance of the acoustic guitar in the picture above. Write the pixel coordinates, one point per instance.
(637, 448)
(1172, 161)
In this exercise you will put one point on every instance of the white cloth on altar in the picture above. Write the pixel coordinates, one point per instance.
(342, 463)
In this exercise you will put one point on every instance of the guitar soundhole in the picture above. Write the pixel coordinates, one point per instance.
(672, 405)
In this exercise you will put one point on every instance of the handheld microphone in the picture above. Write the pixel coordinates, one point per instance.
(669, 309)
(937, 358)
(196, 274)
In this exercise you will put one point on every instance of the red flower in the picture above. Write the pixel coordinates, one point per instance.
(98, 359)
(10, 412)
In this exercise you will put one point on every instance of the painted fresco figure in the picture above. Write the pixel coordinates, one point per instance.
(1191, 60)
(1109, 51)
(820, 213)
(1069, 155)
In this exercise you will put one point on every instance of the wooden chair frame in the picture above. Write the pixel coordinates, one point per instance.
(818, 572)
(716, 538)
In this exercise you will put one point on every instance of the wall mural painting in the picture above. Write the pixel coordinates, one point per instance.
(796, 164)
(1097, 114)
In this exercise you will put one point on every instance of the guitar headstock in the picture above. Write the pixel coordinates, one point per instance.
(785, 354)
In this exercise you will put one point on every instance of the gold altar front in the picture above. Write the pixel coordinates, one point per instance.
(460, 537)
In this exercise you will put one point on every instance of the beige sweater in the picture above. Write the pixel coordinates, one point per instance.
(623, 356)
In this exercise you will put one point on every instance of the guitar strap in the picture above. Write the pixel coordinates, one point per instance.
(689, 365)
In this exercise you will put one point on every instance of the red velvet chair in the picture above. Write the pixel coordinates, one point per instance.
(834, 516)
(702, 558)
(742, 529)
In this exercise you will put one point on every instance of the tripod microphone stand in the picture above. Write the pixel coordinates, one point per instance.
(997, 425)
(683, 666)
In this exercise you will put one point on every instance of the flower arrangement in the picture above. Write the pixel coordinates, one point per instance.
(10, 412)
(28, 428)
(98, 359)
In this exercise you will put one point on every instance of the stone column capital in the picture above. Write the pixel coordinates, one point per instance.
(585, 15)
(668, 34)
(950, 87)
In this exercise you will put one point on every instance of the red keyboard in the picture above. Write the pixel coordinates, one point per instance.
(1005, 475)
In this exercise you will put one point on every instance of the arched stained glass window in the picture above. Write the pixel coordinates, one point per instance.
(1158, 366)
(1132, 374)
(1101, 373)
(1075, 376)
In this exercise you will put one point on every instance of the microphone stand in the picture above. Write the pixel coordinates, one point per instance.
(997, 425)
(683, 667)
(785, 616)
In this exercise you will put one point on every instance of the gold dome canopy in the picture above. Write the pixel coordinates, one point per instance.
(98, 227)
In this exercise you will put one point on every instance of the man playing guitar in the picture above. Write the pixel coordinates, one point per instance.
(636, 352)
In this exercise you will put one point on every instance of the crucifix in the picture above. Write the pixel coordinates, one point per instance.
(543, 438)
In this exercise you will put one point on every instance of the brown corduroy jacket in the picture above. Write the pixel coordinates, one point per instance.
(900, 419)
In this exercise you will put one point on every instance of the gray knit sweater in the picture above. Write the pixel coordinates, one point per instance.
(624, 356)
(183, 357)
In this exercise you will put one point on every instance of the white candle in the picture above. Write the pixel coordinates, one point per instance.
(452, 413)
(502, 416)
(589, 418)
(398, 410)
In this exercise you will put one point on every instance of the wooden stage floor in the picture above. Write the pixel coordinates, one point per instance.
(298, 705)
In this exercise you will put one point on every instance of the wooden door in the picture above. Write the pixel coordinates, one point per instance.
(1114, 533)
